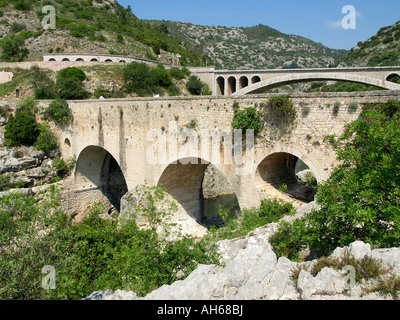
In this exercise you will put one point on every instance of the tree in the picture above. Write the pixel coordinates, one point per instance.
(22, 129)
(194, 85)
(136, 78)
(248, 118)
(13, 48)
(361, 199)
(69, 84)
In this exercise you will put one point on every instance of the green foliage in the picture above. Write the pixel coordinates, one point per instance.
(46, 141)
(22, 5)
(43, 86)
(60, 112)
(283, 106)
(13, 49)
(63, 167)
(179, 73)
(248, 119)
(94, 254)
(194, 85)
(22, 129)
(69, 84)
(270, 210)
(361, 199)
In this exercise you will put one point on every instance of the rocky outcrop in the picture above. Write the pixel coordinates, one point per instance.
(250, 270)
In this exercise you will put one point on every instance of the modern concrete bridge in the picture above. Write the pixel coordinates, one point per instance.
(241, 82)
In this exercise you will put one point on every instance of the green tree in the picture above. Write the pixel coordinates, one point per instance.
(136, 78)
(70, 85)
(361, 199)
(13, 49)
(22, 129)
(194, 85)
(60, 112)
(248, 118)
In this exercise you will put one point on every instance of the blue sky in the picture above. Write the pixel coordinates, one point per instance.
(318, 20)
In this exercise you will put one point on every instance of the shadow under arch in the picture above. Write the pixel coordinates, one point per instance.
(283, 171)
(185, 180)
(96, 168)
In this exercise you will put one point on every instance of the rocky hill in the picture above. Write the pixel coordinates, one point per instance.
(257, 47)
(382, 49)
(97, 27)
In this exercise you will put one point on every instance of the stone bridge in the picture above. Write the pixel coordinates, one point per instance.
(119, 145)
(241, 82)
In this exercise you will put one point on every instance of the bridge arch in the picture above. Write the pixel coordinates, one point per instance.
(243, 82)
(220, 81)
(281, 166)
(97, 168)
(79, 59)
(262, 86)
(231, 85)
(65, 59)
(255, 79)
(392, 75)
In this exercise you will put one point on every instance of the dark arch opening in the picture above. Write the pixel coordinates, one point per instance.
(79, 59)
(394, 77)
(108, 60)
(231, 85)
(255, 79)
(94, 60)
(243, 82)
(220, 86)
(65, 59)
(193, 184)
(97, 168)
(284, 171)
(52, 59)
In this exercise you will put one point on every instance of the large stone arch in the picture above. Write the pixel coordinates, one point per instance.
(279, 166)
(262, 86)
(97, 168)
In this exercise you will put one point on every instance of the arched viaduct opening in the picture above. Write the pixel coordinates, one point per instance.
(190, 182)
(393, 77)
(231, 85)
(221, 86)
(243, 82)
(287, 174)
(96, 168)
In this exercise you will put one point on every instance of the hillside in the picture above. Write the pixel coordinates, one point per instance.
(96, 26)
(257, 47)
(382, 49)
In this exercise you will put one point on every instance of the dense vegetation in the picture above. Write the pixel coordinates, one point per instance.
(94, 254)
(99, 22)
(361, 199)
(382, 49)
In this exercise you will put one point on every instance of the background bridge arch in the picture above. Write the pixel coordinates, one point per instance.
(262, 86)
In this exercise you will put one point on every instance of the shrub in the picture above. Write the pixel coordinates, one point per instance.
(283, 106)
(22, 5)
(43, 86)
(69, 84)
(248, 118)
(13, 48)
(22, 129)
(361, 199)
(194, 85)
(46, 141)
(60, 112)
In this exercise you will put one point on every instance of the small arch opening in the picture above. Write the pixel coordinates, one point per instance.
(65, 59)
(255, 79)
(394, 77)
(94, 60)
(221, 86)
(243, 82)
(231, 85)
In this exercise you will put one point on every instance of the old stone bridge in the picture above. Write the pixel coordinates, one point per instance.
(118, 145)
